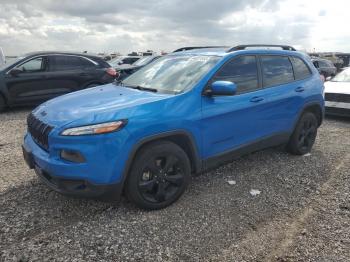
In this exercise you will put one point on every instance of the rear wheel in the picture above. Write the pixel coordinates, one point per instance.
(159, 175)
(2, 103)
(304, 135)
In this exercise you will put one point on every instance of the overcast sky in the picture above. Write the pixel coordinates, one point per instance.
(137, 25)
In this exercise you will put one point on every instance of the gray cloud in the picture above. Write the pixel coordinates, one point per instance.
(110, 25)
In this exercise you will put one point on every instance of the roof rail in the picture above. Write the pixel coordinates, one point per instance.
(196, 47)
(242, 47)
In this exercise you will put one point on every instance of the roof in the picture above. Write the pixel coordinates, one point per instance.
(228, 52)
(60, 53)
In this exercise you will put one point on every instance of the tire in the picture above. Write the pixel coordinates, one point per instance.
(159, 175)
(2, 103)
(304, 134)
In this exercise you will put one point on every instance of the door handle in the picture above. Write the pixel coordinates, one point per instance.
(83, 74)
(299, 89)
(256, 99)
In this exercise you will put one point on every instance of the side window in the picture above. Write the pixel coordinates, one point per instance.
(324, 63)
(301, 70)
(34, 65)
(242, 71)
(86, 63)
(277, 70)
(63, 63)
(316, 64)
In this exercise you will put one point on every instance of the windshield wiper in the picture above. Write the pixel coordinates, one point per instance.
(143, 88)
(120, 83)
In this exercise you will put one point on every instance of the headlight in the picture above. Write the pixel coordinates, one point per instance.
(95, 129)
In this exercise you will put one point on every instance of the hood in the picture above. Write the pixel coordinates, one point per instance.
(337, 87)
(94, 105)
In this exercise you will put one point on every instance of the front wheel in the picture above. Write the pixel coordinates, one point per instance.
(304, 135)
(159, 175)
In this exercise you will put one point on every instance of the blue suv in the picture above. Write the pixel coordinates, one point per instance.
(182, 114)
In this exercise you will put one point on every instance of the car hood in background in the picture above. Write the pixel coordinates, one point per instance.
(94, 105)
(124, 66)
(337, 87)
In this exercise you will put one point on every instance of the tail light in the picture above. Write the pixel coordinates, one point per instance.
(112, 72)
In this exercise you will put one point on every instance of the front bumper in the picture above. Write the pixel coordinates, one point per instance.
(73, 187)
(100, 176)
(337, 108)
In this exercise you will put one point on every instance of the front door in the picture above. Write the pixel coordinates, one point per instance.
(29, 83)
(231, 121)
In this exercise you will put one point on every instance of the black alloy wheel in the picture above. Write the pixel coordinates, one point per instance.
(304, 135)
(159, 175)
(161, 179)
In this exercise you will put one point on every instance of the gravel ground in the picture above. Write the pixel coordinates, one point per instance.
(301, 214)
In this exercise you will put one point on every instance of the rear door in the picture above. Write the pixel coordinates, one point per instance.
(30, 84)
(67, 73)
(283, 92)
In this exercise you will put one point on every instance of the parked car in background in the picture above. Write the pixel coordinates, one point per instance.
(324, 67)
(337, 94)
(122, 61)
(127, 70)
(36, 77)
(2, 57)
(182, 114)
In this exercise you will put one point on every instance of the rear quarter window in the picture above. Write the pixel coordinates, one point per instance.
(301, 70)
(100, 62)
(276, 70)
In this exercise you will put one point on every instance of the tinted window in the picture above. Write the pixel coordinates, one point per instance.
(62, 63)
(34, 65)
(301, 70)
(130, 60)
(242, 71)
(323, 64)
(86, 63)
(276, 70)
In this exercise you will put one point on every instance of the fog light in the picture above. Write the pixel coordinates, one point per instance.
(72, 156)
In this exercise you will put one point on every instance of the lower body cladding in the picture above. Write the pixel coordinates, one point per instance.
(97, 171)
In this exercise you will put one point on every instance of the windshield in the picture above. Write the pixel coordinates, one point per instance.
(172, 74)
(10, 61)
(143, 61)
(342, 76)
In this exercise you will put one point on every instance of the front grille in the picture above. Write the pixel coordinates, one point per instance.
(39, 131)
(336, 97)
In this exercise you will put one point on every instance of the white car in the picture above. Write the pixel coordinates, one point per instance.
(337, 94)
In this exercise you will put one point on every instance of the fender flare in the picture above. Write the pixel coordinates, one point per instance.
(304, 108)
(193, 145)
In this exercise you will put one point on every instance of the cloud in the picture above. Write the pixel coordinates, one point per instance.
(124, 26)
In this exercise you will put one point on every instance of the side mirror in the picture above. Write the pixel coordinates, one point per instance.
(329, 78)
(221, 88)
(15, 72)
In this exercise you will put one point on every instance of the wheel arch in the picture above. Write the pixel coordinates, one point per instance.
(182, 138)
(316, 109)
